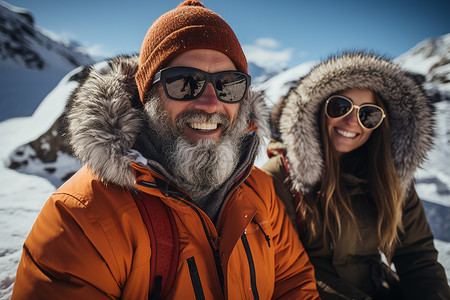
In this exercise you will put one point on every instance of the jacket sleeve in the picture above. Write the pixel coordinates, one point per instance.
(60, 262)
(294, 273)
(329, 284)
(421, 276)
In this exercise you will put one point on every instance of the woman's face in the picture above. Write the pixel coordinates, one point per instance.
(345, 133)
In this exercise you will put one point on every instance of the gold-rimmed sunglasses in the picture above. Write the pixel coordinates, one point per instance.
(370, 116)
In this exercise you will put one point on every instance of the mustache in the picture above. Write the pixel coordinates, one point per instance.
(201, 116)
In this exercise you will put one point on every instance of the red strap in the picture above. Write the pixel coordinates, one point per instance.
(281, 152)
(164, 241)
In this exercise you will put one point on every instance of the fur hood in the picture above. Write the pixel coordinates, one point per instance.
(105, 118)
(408, 110)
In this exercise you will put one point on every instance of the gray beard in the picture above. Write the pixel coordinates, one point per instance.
(200, 168)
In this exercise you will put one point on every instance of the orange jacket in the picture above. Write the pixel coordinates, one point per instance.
(89, 242)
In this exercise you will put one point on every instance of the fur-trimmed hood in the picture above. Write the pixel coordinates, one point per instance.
(105, 118)
(409, 112)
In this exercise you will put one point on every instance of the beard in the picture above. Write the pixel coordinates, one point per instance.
(199, 167)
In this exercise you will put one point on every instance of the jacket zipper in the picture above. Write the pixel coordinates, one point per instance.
(210, 241)
(176, 195)
(195, 279)
(251, 266)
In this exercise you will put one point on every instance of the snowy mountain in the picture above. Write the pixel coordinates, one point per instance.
(29, 56)
(260, 74)
(430, 58)
(277, 86)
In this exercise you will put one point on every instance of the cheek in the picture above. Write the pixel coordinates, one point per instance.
(367, 134)
(330, 124)
(174, 108)
(231, 110)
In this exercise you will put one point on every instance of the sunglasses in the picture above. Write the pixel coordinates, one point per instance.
(370, 116)
(186, 84)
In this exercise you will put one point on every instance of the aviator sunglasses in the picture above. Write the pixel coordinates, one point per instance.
(370, 116)
(186, 84)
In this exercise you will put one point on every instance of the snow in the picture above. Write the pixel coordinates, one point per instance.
(21, 198)
(433, 179)
(26, 129)
(283, 82)
(420, 63)
(18, 10)
(444, 254)
(430, 58)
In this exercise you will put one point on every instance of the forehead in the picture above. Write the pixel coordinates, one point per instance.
(204, 59)
(359, 96)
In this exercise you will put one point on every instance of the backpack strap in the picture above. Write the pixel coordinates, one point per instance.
(164, 241)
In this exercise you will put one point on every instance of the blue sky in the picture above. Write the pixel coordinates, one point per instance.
(272, 33)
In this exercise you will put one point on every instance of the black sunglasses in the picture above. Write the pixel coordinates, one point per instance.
(370, 116)
(186, 84)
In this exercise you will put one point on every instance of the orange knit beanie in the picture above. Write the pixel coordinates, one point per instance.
(187, 27)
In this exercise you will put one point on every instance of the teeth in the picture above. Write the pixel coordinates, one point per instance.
(203, 125)
(346, 133)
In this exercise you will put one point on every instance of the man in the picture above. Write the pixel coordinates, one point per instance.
(190, 141)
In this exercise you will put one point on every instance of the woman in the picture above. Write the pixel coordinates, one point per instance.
(347, 141)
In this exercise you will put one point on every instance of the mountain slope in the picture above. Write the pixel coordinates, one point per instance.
(29, 57)
(430, 58)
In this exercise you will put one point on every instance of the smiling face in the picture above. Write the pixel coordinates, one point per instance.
(209, 61)
(199, 141)
(345, 133)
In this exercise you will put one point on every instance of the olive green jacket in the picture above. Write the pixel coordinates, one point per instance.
(350, 265)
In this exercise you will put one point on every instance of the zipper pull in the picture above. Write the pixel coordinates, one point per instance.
(265, 235)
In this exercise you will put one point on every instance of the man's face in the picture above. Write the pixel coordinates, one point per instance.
(199, 140)
(209, 61)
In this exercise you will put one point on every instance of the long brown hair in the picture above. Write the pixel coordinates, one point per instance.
(383, 184)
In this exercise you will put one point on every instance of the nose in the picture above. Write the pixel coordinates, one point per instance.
(352, 118)
(208, 101)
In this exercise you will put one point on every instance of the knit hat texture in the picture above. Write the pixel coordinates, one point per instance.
(187, 27)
